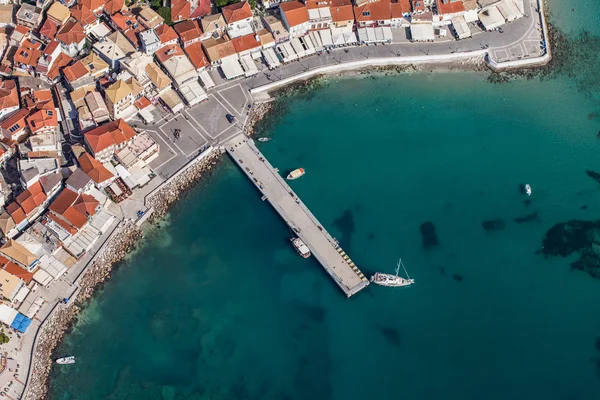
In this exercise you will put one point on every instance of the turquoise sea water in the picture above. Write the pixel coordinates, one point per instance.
(217, 305)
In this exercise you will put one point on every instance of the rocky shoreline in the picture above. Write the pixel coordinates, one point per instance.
(172, 190)
(122, 241)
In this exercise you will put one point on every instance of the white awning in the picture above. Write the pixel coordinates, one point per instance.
(461, 27)
(42, 277)
(316, 39)
(326, 38)
(290, 54)
(350, 38)
(307, 44)
(7, 314)
(206, 79)
(509, 10)
(249, 65)
(232, 69)
(297, 46)
(21, 294)
(387, 34)
(192, 92)
(379, 34)
(338, 40)
(271, 58)
(146, 115)
(371, 35)
(491, 18)
(422, 32)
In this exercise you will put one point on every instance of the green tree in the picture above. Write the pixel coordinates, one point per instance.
(156, 4)
(221, 3)
(165, 12)
(4, 337)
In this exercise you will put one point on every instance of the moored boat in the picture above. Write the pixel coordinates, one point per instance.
(300, 247)
(528, 189)
(295, 174)
(392, 280)
(66, 360)
(263, 139)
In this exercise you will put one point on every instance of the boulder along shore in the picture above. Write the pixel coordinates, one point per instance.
(122, 241)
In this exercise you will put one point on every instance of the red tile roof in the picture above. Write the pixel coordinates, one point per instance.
(374, 11)
(180, 10)
(28, 53)
(41, 119)
(112, 133)
(196, 55)
(9, 96)
(16, 212)
(15, 119)
(31, 198)
(83, 14)
(71, 32)
(167, 52)
(15, 270)
(341, 10)
(49, 29)
(165, 33)
(202, 9)
(75, 71)
(61, 61)
(295, 12)
(94, 169)
(188, 30)
(73, 207)
(401, 7)
(236, 12)
(448, 7)
(91, 4)
(124, 20)
(244, 43)
(142, 103)
(113, 6)
(22, 29)
(418, 5)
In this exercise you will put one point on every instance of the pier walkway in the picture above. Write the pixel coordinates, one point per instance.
(283, 199)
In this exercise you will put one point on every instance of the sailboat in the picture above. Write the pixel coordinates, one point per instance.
(393, 280)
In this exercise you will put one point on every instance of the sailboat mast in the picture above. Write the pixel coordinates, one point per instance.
(398, 266)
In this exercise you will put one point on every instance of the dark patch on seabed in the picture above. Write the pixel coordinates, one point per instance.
(429, 235)
(594, 175)
(493, 224)
(578, 236)
(457, 277)
(391, 335)
(533, 217)
(345, 223)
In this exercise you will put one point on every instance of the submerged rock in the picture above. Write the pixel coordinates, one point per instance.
(457, 277)
(391, 335)
(493, 224)
(579, 236)
(428, 234)
(528, 218)
(594, 175)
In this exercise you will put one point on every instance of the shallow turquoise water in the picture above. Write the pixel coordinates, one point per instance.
(217, 305)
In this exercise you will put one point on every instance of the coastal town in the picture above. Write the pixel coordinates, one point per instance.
(109, 109)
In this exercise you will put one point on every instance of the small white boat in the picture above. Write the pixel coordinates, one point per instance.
(295, 174)
(300, 247)
(528, 189)
(263, 139)
(393, 280)
(66, 360)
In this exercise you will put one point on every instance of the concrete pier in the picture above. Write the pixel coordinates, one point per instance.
(283, 199)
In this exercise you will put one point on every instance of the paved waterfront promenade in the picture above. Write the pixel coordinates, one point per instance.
(298, 217)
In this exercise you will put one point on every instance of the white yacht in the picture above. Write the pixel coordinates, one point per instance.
(300, 247)
(66, 360)
(263, 139)
(295, 174)
(528, 189)
(393, 280)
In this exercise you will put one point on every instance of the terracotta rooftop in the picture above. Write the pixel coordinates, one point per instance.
(9, 96)
(73, 207)
(61, 61)
(373, 11)
(75, 71)
(165, 33)
(111, 133)
(217, 49)
(188, 30)
(93, 168)
(124, 20)
(15, 270)
(245, 43)
(113, 6)
(28, 53)
(295, 12)
(180, 10)
(83, 14)
(341, 10)
(236, 12)
(196, 55)
(49, 29)
(71, 32)
(449, 7)
(202, 9)
(167, 52)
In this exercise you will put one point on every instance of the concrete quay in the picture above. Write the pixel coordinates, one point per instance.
(295, 213)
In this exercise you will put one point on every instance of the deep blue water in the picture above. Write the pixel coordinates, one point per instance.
(217, 305)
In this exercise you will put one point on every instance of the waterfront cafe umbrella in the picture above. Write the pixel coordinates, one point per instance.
(338, 40)
(326, 38)
(21, 323)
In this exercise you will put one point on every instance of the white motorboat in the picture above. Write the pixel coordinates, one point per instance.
(66, 360)
(295, 174)
(263, 139)
(300, 247)
(528, 189)
(393, 280)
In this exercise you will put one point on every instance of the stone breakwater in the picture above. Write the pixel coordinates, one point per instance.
(172, 189)
(121, 242)
(259, 111)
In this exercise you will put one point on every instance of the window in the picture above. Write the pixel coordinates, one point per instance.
(366, 13)
(14, 128)
(50, 113)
